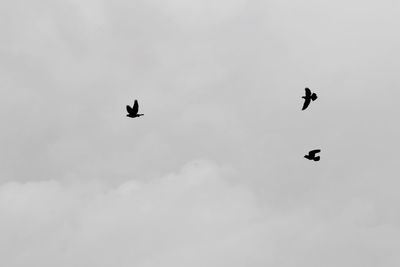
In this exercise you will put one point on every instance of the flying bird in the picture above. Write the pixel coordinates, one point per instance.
(133, 111)
(308, 97)
(311, 155)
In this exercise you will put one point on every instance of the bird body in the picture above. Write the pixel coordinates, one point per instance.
(133, 111)
(308, 98)
(311, 155)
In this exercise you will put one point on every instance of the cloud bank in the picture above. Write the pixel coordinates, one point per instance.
(195, 217)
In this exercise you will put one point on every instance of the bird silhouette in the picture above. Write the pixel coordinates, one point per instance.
(133, 111)
(311, 155)
(308, 97)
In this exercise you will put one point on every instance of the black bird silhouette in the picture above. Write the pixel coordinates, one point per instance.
(311, 155)
(308, 97)
(133, 111)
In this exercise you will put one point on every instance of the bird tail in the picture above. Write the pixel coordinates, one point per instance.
(314, 96)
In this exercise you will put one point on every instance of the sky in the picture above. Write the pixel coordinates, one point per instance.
(213, 174)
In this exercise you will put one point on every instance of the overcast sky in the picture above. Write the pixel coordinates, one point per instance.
(213, 174)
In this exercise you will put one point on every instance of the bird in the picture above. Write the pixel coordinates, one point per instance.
(311, 155)
(308, 97)
(133, 111)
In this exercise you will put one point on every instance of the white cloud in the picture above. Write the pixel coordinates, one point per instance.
(197, 217)
(46, 223)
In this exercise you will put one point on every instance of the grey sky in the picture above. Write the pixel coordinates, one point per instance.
(213, 174)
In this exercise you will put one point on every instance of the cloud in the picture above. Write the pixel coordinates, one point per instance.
(51, 222)
(83, 186)
(196, 217)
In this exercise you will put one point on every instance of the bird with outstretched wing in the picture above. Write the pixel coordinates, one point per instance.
(308, 98)
(133, 111)
(312, 153)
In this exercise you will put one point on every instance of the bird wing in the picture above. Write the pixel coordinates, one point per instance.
(308, 92)
(129, 109)
(313, 152)
(135, 108)
(306, 103)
